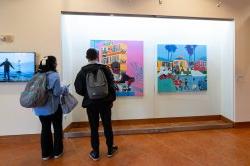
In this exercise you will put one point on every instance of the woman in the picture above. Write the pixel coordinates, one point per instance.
(51, 112)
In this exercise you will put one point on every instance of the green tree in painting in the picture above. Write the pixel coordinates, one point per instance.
(194, 47)
(173, 48)
(190, 52)
(168, 48)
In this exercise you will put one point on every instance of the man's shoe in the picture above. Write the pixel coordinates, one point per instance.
(46, 158)
(112, 151)
(58, 156)
(94, 155)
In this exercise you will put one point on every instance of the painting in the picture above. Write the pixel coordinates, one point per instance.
(181, 68)
(17, 66)
(125, 59)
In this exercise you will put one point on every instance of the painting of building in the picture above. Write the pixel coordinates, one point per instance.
(114, 53)
(181, 68)
(125, 59)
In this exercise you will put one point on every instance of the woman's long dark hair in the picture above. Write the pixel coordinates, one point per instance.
(48, 63)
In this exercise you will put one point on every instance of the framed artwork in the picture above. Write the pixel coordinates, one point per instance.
(17, 66)
(125, 59)
(181, 68)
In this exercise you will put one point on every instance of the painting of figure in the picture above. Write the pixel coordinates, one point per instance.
(17, 66)
(125, 59)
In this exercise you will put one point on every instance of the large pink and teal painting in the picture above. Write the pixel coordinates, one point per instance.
(181, 68)
(125, 59)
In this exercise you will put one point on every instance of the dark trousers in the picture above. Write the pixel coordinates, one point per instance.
(93, 115)
(48, 147)
(7, 75)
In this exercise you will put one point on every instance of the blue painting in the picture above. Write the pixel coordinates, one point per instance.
(16, 66)
(181, 68)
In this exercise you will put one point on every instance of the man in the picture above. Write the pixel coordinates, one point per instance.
(98, 106)
(7, 66)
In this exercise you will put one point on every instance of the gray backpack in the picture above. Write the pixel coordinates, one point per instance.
(97, 85)
(35, 93)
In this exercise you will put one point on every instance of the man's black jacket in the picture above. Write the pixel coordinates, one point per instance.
(81, 89)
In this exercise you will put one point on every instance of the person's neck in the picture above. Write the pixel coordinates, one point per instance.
(93, 61)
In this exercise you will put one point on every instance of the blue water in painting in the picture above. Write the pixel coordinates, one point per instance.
(25, 73)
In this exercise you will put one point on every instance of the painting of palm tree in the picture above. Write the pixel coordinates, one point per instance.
(168, 48)
(194, 47)
(173, 48)
(188, 69)
(190, 52)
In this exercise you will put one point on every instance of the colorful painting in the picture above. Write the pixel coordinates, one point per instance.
(125, 59)
(181, 68)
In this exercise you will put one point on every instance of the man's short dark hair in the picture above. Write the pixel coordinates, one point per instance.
(92, 54)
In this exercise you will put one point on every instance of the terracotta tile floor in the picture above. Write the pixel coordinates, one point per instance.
(224, 147)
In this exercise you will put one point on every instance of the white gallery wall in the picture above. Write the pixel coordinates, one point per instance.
(27, 21)
(218, 36)
(36, 26)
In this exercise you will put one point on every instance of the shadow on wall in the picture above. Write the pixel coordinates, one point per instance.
(243, 49)
(38, 59)
(110, 6)
(236, 5)
(131, 3)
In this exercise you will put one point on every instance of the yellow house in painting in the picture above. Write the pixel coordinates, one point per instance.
(114, 53)
(161, 63)
(181, 63)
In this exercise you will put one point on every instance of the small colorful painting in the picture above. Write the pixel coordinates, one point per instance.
(181, 68)
(125, 59)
